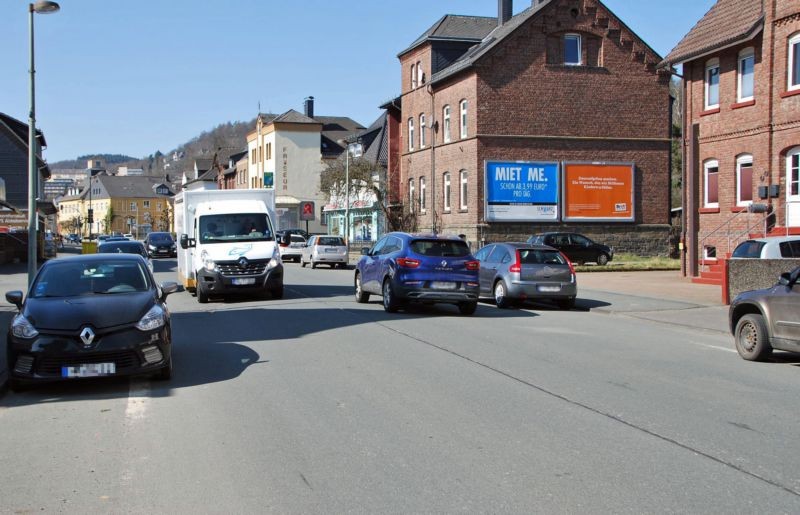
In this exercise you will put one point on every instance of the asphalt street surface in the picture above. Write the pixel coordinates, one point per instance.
(317, 404)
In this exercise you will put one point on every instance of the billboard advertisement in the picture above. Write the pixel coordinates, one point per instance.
(521, 191)
(598, 192)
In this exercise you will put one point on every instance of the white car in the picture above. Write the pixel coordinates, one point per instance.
(773, 247)
(294, 250)
(325, 250)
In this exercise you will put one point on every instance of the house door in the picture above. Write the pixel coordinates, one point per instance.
(793, 188)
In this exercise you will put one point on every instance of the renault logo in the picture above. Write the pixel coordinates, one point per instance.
(87, 336)
(444, 263)
(243, 262)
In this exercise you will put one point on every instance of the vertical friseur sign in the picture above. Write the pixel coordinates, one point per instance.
(598, 192)
(518, 191)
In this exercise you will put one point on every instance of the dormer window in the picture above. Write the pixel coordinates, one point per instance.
(572, 50)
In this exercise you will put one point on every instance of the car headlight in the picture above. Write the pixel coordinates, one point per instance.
(21, 328)
(208, 263)
(276, 258)
(152, 320)
(151, 247)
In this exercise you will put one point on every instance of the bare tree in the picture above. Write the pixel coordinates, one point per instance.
(367, 182)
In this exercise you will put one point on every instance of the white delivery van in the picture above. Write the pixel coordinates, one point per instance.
(227, 243)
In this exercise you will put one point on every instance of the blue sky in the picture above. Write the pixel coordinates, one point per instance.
(133, 77)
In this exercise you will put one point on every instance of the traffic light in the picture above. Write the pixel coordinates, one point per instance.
(90, 216)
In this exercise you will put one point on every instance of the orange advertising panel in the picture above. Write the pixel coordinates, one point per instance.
(598, 192)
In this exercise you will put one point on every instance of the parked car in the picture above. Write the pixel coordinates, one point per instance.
(115, 238)
(327, 250)
(424, 268)
(125, 247)
(515, 272)
(73, 238)
(577, 247)
(160, 244)
(292, 250)
(100, 238)
(773, 247)
(286, 232)
(88, 316)
(767, 319)
(128, 235)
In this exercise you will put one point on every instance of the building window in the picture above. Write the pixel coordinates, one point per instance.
(413, 76)
(572, 50)
(446, 124)
(793, 173)
(745, 86)
(744, 180)
(158, 206)
(794, 62)
(146, 204)
(411, 198)
(133, 206)
(253, 156)
(423, 201)
(420, 74)
(269, 151)
(712, 84)
(463, 190)
(711, 186)
(410, 134)
(422, 131)
(463, 109)
(446, 191)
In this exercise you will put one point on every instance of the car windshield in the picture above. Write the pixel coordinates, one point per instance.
(161, 238)
(69, 279)
(749, 249)
(331, 241)
(440, 248)
(538, 257)
(235, 227)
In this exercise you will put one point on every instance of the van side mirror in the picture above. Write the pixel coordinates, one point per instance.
(187, 242)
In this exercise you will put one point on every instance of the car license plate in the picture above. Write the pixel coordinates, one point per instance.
(89, 370)
(243, 281)
(443, 285)
(330, 250)
(549, 289)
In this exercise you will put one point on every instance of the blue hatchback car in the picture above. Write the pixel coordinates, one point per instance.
(424, 268)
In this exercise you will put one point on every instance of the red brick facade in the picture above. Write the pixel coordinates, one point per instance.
(523, 103)
(766, 128)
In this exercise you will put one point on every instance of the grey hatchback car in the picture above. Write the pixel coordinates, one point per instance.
(515, 272)
(762, 320)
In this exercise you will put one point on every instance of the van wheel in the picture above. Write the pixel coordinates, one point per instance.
(302, 263)
(361, 296)
(752, 340)
(602, 260)
(202, 293)
(313, 264)
(500, 295)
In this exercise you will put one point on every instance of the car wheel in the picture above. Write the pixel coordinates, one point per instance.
(602, 260)
(566, 304)
(361, 296)
(467, 308)
(313, 264)
(202, 293)
(500, 295)
(277, 292)
(165, 374)
(390, 304)
(752, 341)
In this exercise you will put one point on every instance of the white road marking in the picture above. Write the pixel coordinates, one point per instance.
(726, 349)
(137, 401)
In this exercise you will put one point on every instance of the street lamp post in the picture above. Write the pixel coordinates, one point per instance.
(355, 149)
(41, 7)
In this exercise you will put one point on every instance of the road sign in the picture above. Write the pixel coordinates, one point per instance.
(307, 211)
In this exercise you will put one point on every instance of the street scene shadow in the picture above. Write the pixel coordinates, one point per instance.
(163, 265)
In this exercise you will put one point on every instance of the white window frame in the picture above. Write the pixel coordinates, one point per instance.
(410, 134)
(573, 37)
(793, 83)
(707, 166)
(463, 191)
(744, 55)
(744, 159)
(133, 206)
(413, 76)
(411, 195)
(446, 192)
(422, 131)
(462, 108)
(420, 75)
(792, 178)
(146, 204)
(711, 65)
(422, 195)
(446, 123)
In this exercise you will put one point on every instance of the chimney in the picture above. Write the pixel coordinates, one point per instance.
(504, 9)
(309, 107)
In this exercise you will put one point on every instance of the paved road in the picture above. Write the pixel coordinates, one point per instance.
(317, 404)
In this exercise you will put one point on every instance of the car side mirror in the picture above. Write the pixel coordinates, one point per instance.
(167, 288)
(15, 297)
(187, 242)
(365, 251)
(785, 280)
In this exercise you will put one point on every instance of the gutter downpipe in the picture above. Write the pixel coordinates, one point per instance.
(434, 225)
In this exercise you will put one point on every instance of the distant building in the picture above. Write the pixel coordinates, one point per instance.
(124, 171)
(56, 187)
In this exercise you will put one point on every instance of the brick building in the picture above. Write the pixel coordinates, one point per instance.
(563, 81)
(741, 68)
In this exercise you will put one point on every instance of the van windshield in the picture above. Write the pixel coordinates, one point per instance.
(224, 228)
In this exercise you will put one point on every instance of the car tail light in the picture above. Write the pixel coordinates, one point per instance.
(473, 265)
(407, 262)
(571, 267)
(517, 266)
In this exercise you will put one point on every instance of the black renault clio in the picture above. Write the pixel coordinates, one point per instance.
(90, 316)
